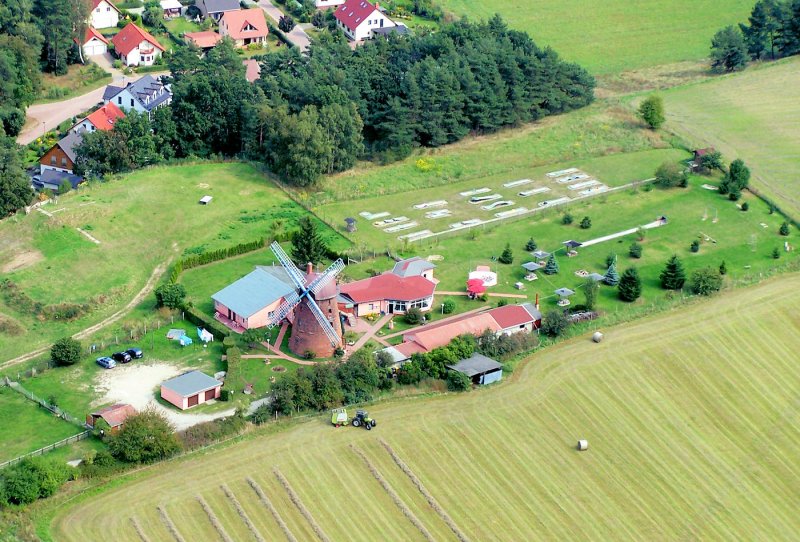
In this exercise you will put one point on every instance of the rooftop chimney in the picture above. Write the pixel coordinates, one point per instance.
(309, 268)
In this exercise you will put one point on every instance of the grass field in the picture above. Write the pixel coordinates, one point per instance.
(751, 115)
(142, 220)
(616, 35)
(692, 436)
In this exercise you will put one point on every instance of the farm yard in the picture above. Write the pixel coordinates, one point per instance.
(615, 35)
(674, 448)
(731, 114)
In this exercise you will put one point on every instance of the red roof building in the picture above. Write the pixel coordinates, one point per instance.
(244, 26)
(387, 293)
(136, 46)
(103, 119)
(358, 18)
(204, 40)
(252, 69)
(114, 416)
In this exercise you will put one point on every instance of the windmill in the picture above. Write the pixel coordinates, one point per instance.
(316, 326)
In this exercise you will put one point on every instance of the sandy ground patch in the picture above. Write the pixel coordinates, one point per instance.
(134, 383)
(22, 260)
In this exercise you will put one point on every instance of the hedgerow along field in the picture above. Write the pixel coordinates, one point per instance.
(142, 220)
(690, 417)
(615, 35)
(751, 115)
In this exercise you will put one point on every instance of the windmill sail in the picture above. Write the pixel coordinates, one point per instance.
(323, 322)
(326, 276)
(287, 263)
(289, 303)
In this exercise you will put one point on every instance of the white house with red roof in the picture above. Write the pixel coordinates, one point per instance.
(244, 27)
(103, 119)
(358, 19)
(94, 43)
(409, 284)
(136, 47)
(103, 14)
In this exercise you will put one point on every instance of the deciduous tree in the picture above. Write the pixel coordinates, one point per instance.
(146, 437)
(651, 111)
(65, 351)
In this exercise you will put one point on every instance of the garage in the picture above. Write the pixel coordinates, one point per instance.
(94, 43)
(190, 389)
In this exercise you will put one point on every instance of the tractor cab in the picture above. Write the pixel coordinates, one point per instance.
(362, 418)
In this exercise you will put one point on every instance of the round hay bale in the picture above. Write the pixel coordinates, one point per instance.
(583, 445)
(597, 337)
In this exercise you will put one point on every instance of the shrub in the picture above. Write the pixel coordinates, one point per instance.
(228, 342)
(705, 281)
(384, 359)
(414, 316)
(630, 285)
(586, 223)
(745, 206)
(776, 253)
(252, 336)
(65, 351)
(457, 381)
(635, 250)
(286, 23)
(567, 219)
(651, 111)
(723, 269)
(590, 290)
(170, 295)
(213, 431)
(262, 414)
(33, 478)
(695, 246)
(448, 306)
(507, 257)
(530, 246)
(554, 323)
(146, 437)
(409, 373)
(669, 175)
(309, 354)
(784, 229)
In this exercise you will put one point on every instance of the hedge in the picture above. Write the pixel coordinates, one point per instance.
(199, 318)
(213, 256)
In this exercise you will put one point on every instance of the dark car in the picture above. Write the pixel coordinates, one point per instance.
(135, 353)
(106, 362)
(122, 357)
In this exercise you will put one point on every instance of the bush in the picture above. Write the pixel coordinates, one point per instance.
(567, 219)
(586, 223)
(507, 257)
(65, 351)
(170, 295)
(554, 323)
(651, 111)
(776, 253)
(146, 437)
(33, 478)
(198, 318)
(669, 175)
(448, 306)
(635, 250)
(590, 291)
(611, 259)
(213, 431)
(530, 246)
(262, 414)
(723, 269)
(384, 359)
(745, 206)
(695, 246)
(409, 373)
(252, 337)
(414, 316)
(784, 229)
(286, 23)
(309, 354)
(705, 281)
(457, 381)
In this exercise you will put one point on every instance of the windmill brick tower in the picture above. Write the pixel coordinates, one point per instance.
(316, 326)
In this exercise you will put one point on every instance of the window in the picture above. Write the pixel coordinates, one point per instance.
(131, 102)
(63, 162)
(108, 9)
(53, 160)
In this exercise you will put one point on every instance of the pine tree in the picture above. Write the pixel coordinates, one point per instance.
(586, 223)
(307, 245)
(723, 269)
(507, 256)
(630, 285)
(551, 267)
(611, 277)
(784, 230)
(728, 50)
(530, 246)
(673, 276)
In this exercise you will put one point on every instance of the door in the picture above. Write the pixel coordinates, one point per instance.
(209, 395)
(193, 400)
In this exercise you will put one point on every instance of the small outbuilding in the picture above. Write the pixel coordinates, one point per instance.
(190, 389)
(205, 200)
(350, 224)
(480, 369)
(114, 416)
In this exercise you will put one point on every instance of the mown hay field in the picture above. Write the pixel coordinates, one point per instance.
(753, 116)
(615, 35)
(691, 418)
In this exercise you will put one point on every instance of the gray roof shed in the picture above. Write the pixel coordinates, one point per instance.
(412, 267)
(475, 365)
(255, 291)
(191, 383)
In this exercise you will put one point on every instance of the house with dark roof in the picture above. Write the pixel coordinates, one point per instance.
(61, 156)
(114, 416)
(358, 18)
(53, 180)
(480, 369)
(190, 389)
(94, 43)
(215, 8)
(144, 95)
(244, 27)
(103, 119)
(250, 301)
(136, 46)
(103, 14)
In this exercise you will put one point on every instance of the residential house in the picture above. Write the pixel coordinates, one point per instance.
(61, 156)
(415, 267)
(52, 180)
(216, 8)
(358, 18)
(252, 69)
(205, 40)
(103, 14)
(136, 47)
(144, 95)
(103, 119)
(94, 43)
(244, 27)
(172, 8)
(409, 284)
(250, 301)
(114, 416)
(322, 4)
(190, 389)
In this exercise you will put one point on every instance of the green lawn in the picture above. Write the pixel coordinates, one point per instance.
(142, 220)
(616, 35)
(690, 416)
(78, 80)
(27, 426)
(753, 116)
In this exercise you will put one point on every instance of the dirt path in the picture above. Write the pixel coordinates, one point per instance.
(138, 298)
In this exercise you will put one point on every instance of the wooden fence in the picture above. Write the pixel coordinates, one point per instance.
(48, 448)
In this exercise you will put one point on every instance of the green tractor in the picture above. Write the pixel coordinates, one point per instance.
(362, 418)
(339, 417)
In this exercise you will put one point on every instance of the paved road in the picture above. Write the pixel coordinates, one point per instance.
(297, 36)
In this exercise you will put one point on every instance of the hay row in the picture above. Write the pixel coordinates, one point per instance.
(212, 517)
(274, 511)
(242, 513)
(170, 525)
(139, 530)
(300, 506)
(393, 494)
(430, 498)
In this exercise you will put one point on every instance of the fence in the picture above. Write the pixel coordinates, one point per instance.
(48, 448)
(16, 386)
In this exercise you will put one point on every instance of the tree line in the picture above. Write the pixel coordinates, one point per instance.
(772, 31)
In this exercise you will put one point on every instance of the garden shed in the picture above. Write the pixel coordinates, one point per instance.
(190, 389)
(480, 369)
(113, 415)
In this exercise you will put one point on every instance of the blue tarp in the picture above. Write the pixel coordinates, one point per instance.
(184, 340)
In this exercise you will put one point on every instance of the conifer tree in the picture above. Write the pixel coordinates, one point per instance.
(307, 245)
(630, 285)
(507, 256)
(551, 267)
(673, 276)
(611, 277)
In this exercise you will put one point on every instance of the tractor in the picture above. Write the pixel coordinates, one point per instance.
(362, 418)
(339, 417)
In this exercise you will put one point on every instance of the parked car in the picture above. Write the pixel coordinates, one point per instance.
(135, 352)
(106, 362)
(122, 357)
